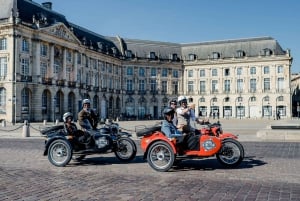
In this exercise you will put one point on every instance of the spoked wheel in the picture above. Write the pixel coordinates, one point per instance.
(231, 153)
(60, 152)
(126, 150)
(161, 156)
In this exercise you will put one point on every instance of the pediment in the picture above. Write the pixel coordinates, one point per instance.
(61, 31)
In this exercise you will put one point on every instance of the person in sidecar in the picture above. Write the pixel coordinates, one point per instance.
(87, 118)
(71, 128)
(183, 141)
(167, 127)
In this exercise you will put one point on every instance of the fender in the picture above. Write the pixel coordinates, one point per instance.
(146, 142)
(228, 135)
(49, 141)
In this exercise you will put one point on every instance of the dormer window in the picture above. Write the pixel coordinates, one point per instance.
(128, 53)
(216, 55)
(267, 52)
(240, 53)
(192, 57)
(152, 55)
(173, 57)
(114, 50)
(100, 46)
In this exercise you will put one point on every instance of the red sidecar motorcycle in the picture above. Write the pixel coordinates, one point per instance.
(162, 152)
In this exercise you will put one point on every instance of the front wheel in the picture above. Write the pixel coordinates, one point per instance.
(60, 152)
(161, 156)
(126, 150)
(231, 153)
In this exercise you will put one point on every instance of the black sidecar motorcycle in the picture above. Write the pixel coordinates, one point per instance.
(62, 147)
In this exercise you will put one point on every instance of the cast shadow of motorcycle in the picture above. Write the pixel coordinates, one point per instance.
(163, 153)
(60, 147)
(210, 164)
(107, 160)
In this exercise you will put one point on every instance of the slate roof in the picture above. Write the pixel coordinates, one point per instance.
(27, 9)
(142, 48)
(228, 48)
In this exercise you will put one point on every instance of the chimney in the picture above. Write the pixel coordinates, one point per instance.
(47, 5)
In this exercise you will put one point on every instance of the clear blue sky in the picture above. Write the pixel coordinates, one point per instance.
(188, 21)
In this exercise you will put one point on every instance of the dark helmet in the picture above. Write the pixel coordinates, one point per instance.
(169, 111)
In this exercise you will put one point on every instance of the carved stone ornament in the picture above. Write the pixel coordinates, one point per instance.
(61, 31)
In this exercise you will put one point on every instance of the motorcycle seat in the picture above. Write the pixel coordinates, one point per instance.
(147, 131)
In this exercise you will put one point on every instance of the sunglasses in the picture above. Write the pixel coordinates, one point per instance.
(173, 104)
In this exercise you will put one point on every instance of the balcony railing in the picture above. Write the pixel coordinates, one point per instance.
(96, 89)
(88, 87)
(71, 84)
(46, 80)
(60, 83)
(142, 92)
(129, 92)
(26, 78)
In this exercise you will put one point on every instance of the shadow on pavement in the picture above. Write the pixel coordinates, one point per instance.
(105, 160)
(212, 164)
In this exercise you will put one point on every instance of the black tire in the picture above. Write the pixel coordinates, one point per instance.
(160, 156)
(231, 154)
(126, 150)
(60, 152)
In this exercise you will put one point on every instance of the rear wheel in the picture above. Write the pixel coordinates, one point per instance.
(126, 150)
(60, 152)
(231, 153)
(161, 156)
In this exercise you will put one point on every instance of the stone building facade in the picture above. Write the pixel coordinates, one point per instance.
(48, 65)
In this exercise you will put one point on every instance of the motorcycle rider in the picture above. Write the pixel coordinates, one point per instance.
(185, 114)
(87, 118)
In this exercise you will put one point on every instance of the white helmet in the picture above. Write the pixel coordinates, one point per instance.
(66, 115)
(182, 99)
(86, 101)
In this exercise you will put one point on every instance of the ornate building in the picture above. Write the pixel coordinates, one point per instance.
(48, 65)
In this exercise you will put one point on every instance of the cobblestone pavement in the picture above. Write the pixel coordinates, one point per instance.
(270, 171)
